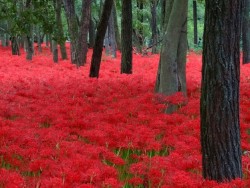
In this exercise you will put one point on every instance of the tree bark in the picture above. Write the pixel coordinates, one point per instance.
(39, 39)
(47, 42)
(60, 34)
(163, 10)
(91, 32)
(73, 27)
(117, 31)
(246, 31)
(195, 22)
(154, 26)
(111, 33)
(14, 46)
(101, 30)
(29, 35)
(168, 9)
(219, 104)
(84, 29)
(55, 51)
(140, 29)
(78, 31)
(173, 50)
(126, 37)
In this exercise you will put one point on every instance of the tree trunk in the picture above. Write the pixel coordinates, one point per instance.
(73, 28)
(171, 76)
(50, 42)
(60, 34)
(29, 35)
(3, 41)
(140, 29)
(106, 42)
(246, 31)
(195, 22)
(55, 51)
(47, 40)
(101, 30)
(30, 47)
(154, 26)
(163, 13)
(39, 39)
(219, 104)
(14, 46)
(83, 33)
(91, 32)
(111, 34)
(78, 32)
(181, 58)
(126, 37)
(117, 31)
(5, 36)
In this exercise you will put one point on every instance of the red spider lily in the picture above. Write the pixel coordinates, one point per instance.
(59, 128)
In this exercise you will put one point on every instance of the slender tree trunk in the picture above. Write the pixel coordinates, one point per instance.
(111, 43)
(181, 58)
(3, 40)
(55, 51)
(30, 47)
(21, 42)
(5, 36)
(126, 37)
(47, 40)
(140, 19)
(60, 34)
(136, 41)
(219, 105)
(163, 13)
(106, 41)
(111, 33)
(154, 26)
(29, 35)
(101, 30)
(117, 31)
(39, 39)
(101, 8)
(50, 42)
(73, 27)
(91, 32)
(83, 33)
(246, 31)
(78, 32)
(195, 22)
(14, 46)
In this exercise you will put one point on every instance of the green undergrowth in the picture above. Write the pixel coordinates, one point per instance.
(132, 156)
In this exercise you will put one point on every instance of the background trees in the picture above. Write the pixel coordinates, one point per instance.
(55, 20)
(101, 30)
(78, 30)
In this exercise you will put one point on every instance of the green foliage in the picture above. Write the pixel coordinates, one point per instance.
(130, 156)
(15, 18)
(19, 17)
(145, 15)
(200, 24)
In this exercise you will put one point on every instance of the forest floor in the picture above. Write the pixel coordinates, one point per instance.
(60, 128)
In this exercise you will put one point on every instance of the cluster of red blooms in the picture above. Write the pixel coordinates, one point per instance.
(60, 128)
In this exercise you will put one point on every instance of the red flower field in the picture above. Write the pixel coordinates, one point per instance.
(60, 128)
